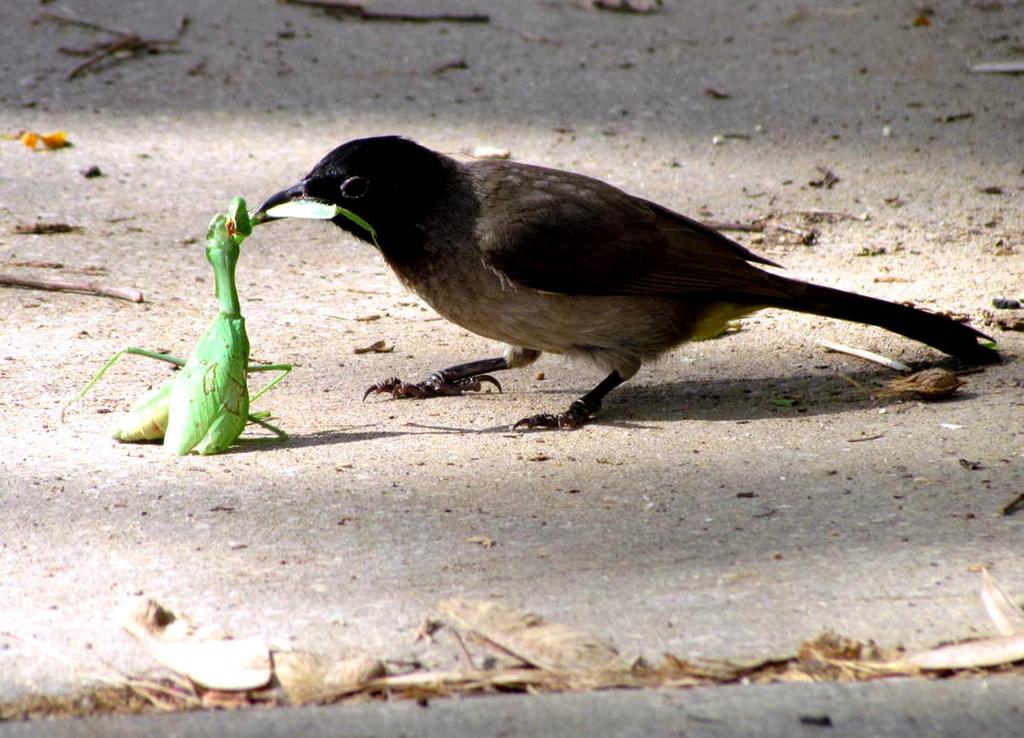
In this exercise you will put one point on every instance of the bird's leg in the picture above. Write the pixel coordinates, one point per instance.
(457, 379)
(446, 382)
(578, 412)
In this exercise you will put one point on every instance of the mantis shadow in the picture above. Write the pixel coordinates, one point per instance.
(337, 436)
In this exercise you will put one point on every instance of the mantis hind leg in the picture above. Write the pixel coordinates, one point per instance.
(260, 417)
(113, 360)
(260, 420)
(283, 368)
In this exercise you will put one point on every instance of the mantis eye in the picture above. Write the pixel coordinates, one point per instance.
(354, 187)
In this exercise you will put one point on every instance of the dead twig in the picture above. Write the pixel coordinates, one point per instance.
(68, 21)
(44, 229)
(806, 236)
(826, 181)
(999, 67)
(875, 437)
(830, 216)
(59, 285)
(99, 52)
(766, 224)
(342, 8)
(35, 264)
(642, 7)
(125, 43)
(754, 226)
(1015, 505)
(864, 354)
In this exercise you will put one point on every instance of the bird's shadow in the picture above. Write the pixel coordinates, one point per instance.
(745, 399)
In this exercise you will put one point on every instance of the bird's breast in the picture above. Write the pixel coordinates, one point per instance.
(618, 332)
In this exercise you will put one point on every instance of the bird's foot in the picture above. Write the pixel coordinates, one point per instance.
(436, 385)
(574, 417)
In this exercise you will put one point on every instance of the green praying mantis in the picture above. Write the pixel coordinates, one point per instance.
(205, 407)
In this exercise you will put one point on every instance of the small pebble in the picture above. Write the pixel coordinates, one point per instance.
(91, 171)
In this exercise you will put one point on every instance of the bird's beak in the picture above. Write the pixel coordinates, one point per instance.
(294, 202)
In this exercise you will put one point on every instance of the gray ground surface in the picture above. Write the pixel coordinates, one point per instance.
(694, 516)
(882, 710)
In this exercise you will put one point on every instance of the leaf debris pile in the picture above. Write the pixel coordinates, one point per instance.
(502, 649)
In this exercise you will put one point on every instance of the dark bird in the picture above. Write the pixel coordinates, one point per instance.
(546, 260)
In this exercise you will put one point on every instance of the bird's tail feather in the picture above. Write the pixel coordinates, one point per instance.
(938, 331)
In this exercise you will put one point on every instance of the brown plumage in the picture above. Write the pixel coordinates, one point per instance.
(546, 260)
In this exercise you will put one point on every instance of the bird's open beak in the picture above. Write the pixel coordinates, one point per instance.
(294, 203)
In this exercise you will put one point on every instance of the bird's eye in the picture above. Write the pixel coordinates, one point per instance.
(354, 187)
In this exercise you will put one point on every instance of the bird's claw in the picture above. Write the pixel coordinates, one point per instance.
(474, 383)
(574, 417)
(436, 385)
(389, 385)
(543, 420)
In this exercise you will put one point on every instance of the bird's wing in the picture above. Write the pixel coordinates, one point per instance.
(562, 232)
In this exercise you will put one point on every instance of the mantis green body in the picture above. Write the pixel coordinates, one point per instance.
(206, 406)
(147, 418)
(210, 396)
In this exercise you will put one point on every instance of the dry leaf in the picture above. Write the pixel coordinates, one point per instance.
(928, 384)
(677, 672)
(219, 699)
(971, 654)
(446, 683)
(1006, 615)
(32, 139)
(216, 663)
(546, 645)
(1005, 649)
(308, 677)
(56, 140)
(377, 347)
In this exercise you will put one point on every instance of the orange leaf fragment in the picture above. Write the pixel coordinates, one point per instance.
(55, 140)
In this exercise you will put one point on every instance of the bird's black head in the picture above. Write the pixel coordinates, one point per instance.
(374, 188)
